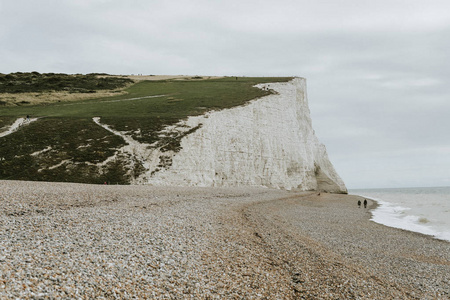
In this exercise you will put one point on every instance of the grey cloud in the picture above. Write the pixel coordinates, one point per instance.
(377, 71)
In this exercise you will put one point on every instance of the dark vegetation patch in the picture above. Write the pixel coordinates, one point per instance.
(6, 121)
(35, 82)
(72, 135)
(80, 141)
(173, 142)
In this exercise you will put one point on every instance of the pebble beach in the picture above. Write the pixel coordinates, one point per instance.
(77, 241)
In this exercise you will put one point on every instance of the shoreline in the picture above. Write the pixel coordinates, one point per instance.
(395, 257)
(376, 205)
(89, 241)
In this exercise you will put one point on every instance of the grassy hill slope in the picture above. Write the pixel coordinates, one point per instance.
(66, 145)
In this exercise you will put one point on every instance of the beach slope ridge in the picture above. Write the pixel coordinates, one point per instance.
(267, 142)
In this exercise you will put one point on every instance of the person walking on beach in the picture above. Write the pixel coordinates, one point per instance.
(359, 203)
(365, 203)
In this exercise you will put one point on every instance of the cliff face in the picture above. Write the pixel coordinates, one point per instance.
(268, 142)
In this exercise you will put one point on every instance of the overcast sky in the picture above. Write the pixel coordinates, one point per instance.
(378, 71)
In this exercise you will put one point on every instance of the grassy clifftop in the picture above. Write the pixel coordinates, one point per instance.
(66, 145)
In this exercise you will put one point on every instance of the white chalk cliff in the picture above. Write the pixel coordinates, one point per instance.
(267, 142)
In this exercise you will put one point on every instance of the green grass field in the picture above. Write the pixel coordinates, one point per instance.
(67, 127)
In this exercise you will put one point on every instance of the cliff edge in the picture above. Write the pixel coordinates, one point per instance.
(267, 142)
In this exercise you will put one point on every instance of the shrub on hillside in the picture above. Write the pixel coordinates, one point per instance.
(35, 82)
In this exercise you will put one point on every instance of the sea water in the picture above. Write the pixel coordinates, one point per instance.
(424, 210)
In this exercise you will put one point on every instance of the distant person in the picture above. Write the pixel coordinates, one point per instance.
(28, 117)
(359, 203)
(365, 203)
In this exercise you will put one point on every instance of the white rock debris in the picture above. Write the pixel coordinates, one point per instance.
(46, 149)
(64, 162)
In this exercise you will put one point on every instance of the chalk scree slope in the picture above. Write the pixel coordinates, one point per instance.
(267, 142)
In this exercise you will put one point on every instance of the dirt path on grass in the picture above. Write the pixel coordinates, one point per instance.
(16, 125)
(142, 153)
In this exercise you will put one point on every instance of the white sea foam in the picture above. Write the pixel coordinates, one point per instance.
(423, 210)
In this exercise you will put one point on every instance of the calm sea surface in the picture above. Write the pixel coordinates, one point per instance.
(424, 210)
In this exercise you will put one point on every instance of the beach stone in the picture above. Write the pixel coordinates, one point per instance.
(219, 243)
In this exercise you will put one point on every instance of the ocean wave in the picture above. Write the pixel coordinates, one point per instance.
(397, 216)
